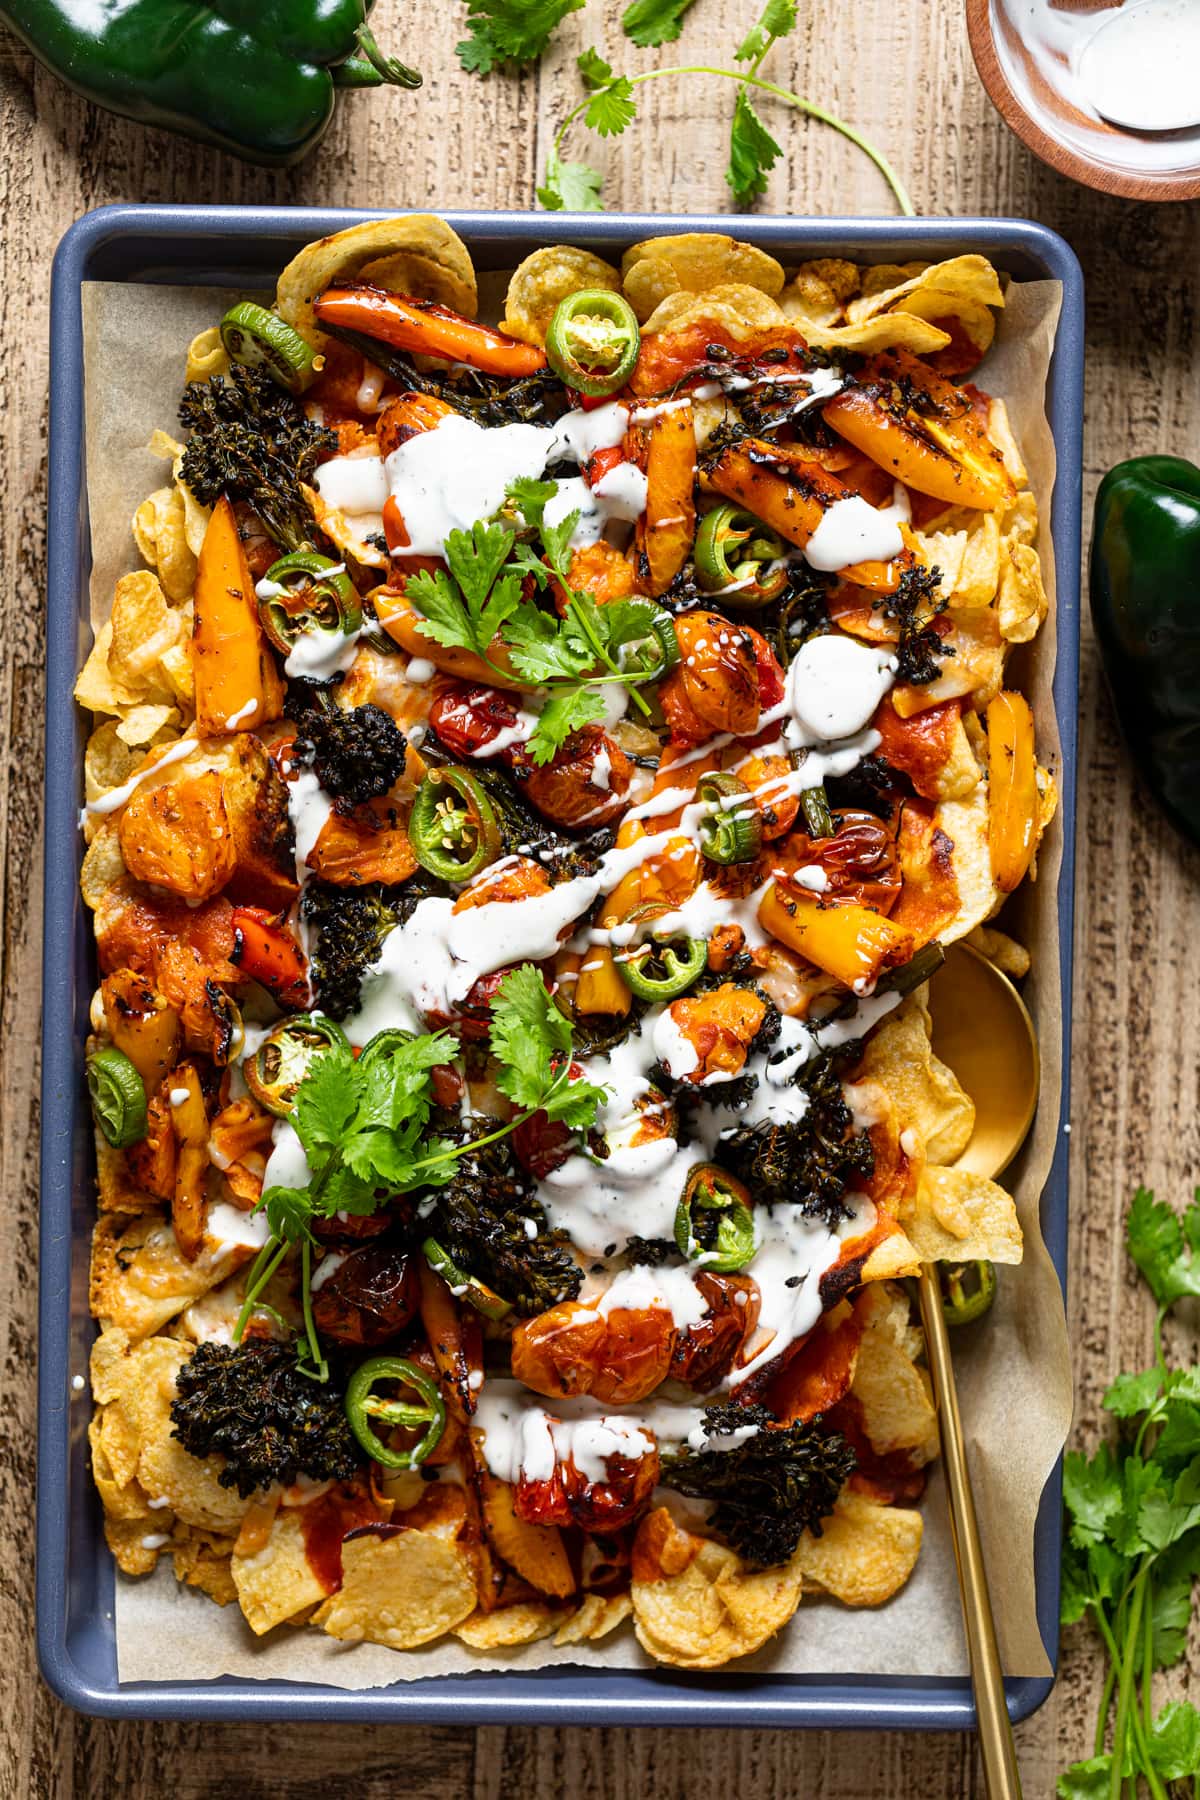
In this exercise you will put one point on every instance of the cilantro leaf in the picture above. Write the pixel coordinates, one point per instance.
(326, 1101)
(611, 108)
(753, 152)
(566, 711)
(288, 1211)
(1175, 1741)
(1133, 1394)
(1180, 1436)
(556, 542)
(651, 22)
(1165, 1248)
(444, 618)
(476, 557)
(466, 607)
(626, 621)
(531, 498)
(1171, 1599)
(594, 72)
(1090, 1780)
(510, 31)
(570, 186)
(1091, 1493)
(527, 1034)
(1164, 1517)
(576, 1104)
(777, 18)
(541, 650)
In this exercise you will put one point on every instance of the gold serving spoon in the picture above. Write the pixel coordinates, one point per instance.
(983, 1031)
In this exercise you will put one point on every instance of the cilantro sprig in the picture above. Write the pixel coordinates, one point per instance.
(364, 1129)
(478, 598)
(509, 31)
(1132, 1550)
(610, 107)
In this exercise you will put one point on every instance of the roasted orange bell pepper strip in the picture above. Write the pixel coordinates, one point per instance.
(402, 621)
(792, 495)
(668, 526)
(267, 952)
(940, 450)
(189, 1119)
(235, 673)
(850, 942)
(1012, 789)
(424, 327)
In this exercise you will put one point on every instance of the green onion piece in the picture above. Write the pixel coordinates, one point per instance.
(453, 826)
(118, 1096)
(657, 971)
(261, 339)
(968, 1290)
(593, 342)
(814, 804)
(466, 1287)
(363, 1405)
(285, 1056)
(739, 557)
(714, 1223)
(731, 829)
(313, 599)
(926, 962)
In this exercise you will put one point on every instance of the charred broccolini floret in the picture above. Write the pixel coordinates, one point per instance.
(346, 929)
(250, 1403)
(254, 442)
(479, 1220)
(770, 1489)
(914, 606)
(807, 1162)
(357, 753)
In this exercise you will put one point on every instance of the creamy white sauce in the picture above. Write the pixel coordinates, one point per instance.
(230, 1228)
(241, 715)
(676, 1052)
(116, 797)
(834, 685)
(852, 531)
(1140, 69)
(310, 809)
(356, 484)
(319, 655)
(287, 1165)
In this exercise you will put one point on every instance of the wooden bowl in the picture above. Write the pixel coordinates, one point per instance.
(1031, 86)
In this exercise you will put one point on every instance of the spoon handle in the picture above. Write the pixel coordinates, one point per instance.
(997, 1749)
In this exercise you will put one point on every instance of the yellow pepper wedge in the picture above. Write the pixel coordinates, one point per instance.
(1012, 789)
(235, 673)
(849, 942)
(670, 517)
(189, 1120)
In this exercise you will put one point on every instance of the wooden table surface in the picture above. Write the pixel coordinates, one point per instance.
(901, 70)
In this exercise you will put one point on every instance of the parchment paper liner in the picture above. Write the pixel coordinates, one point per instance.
(1014, 1375)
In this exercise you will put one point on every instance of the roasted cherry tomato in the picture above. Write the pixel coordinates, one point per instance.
(618, 1357)
(860, 860)
(369, 1297)
(587, 783)
(716, 684)
(469, 717)
(706, 1352)
(569, 1497)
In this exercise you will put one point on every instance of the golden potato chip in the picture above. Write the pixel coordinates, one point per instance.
(842, 278)
(143, 628)
(713, 1610)
(975, 671)
(103, 864)
(594, 1618)
(173, 555)
(135, 1550)
(1023, 603)
(142, 724)
(885, 1308)
(96, 685)
(107, 1363)
(696, 262)
(928, 1097)
(114, 1443)
(965, 823)
(277, 1581)
(739, 310)
(1010, 957)
(202, 1560)
(144, 523)
(139, 1279)
(206, 355)
(892, 1258)
(976, 321)
(866, 1552)
(524, 1623)
(963, 278)
(958, 1216)
(108, 760)
(1001, 433)
(400, 1590)
(881, 277)
(417, 254)
(544, 279)
(809, 300)
(894, 1397)
(887, 331)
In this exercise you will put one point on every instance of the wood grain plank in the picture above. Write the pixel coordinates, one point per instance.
(902, 72)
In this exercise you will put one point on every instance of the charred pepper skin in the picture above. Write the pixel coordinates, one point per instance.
(1145, 595)
(256, 77)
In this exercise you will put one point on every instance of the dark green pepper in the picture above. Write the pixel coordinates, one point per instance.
(253, 76)
(1145, 590)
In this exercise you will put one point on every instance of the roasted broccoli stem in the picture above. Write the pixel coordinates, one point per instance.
(479, 1218)
(807, 1162)
(770, 1489)
(357, 753)
(346, 928)
(250, 1403)
(254, 442)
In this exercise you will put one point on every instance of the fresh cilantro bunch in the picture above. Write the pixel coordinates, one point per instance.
(1132, 1549)
(478, 596)
(610, 108)
(364, 1128)
(509, 31)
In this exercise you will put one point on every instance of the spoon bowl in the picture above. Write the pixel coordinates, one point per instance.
(982, 1030)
